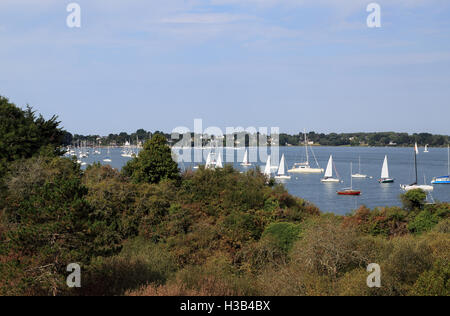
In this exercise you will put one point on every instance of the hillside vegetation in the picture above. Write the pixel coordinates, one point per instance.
(150, 230)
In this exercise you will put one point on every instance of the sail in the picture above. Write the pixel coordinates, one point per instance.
(245, 157)
(329, 171)
(267, 169)
(208, 161)
(282, 167)
(219, 162)
(385, 169)
(416, 148)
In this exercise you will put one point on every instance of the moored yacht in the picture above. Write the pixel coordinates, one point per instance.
(415, 185)
(304, 167)
(328, 178)
(385, 178)
(281, 173)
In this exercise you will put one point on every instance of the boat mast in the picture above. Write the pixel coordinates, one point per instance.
(351, 178)
(359, 164)
(306, 148)
(415, 162)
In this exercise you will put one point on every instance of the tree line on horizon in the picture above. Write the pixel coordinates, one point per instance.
(373, 139)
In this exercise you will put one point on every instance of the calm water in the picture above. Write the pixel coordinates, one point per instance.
(309, 187)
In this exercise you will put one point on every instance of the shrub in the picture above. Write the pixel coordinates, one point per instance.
(435, 282)
(139, 263)
(284, 234)
(414, 199)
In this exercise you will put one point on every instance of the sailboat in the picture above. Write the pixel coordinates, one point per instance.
(245, 162)
(219, 164)
(350, 191)
(415, 185)
(209, 161)
(304, 167)
(107, 158)
(444, 179)
(268, 169)
(329, 172)
(281, 174)
(359, 175)
(385, 172)
(426, 149)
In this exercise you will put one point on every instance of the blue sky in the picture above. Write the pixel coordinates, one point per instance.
(294, 64)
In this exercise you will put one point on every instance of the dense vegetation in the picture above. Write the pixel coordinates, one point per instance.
(152, 231)
(23, 134)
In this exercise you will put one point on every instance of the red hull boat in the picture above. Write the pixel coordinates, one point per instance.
(349, 192)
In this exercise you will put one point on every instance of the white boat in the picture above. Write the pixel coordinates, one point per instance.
(210, 163)
(268, 169)
(385, 178)
(415, 185)
(426, 149)
(329, 172)
(219, 164)
(107, 158)
(443, 179)
(359, 175)
(281, 174)
(304, 167)
(245, 161)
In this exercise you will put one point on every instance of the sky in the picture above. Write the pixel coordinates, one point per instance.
(292, 64)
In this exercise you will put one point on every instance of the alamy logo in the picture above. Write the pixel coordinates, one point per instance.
(374, 18)
(74, 279)
(374, 279)
(74, 18)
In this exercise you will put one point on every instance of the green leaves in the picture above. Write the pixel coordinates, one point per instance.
(23, 135)
(154, 163)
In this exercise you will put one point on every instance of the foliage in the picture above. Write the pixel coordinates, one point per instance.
(23, 134)
(50, 224)
(434, 282)
(284, 234)
(154, 163)
(414, 200)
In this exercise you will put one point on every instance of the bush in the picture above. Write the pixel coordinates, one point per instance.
(284, 234)
(435, 282)
(139, 263)
(327, 247)
(414, 200)
(50, 224)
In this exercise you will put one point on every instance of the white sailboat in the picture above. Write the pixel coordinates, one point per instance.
(245, 161)
(329, 172)
(281, 174)
(426, 149)
(108, 158)
(304, 167)
(209, 161)
(444, 179)
(268, 169)
(359, 175)
(415, 185)
(385, 172)
(219, 164)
